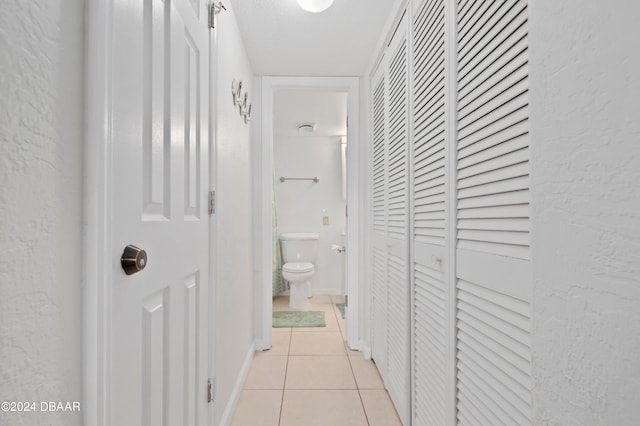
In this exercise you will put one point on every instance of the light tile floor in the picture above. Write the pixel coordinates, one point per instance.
(311, 378)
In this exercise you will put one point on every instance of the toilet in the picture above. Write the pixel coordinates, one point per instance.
(299, 252)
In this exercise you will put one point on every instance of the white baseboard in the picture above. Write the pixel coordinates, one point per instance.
(261, 345)
(230, 409)
(366, 350)
(331, 291)
(320, 291)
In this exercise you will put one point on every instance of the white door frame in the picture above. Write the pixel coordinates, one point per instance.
(98, 259)
(100, 256)
(351, 86)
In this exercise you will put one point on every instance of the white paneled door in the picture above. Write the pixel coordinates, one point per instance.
(158, 324)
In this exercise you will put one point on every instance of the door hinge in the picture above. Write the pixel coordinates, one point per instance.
(346, 300)
(210, 384)
(212, 202)
(214, 9)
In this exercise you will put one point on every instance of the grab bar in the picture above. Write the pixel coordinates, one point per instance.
(315, 179)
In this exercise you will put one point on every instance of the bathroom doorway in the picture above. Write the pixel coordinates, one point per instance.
(309, 132)
(330, 206)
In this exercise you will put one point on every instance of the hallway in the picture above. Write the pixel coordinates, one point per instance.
(310, 377)
(494, 206)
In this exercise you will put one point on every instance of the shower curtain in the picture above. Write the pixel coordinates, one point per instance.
(278, 283)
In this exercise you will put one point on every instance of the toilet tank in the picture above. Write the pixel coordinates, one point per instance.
(299, 247)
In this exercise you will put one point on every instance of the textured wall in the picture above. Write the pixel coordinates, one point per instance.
(234, 265)
(40, 206)
(585, 128)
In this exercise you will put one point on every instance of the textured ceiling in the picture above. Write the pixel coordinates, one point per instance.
(283, 39)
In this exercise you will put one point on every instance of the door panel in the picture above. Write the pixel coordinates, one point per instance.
(494, 356)
(391, 320)
(430, 189)
(159, 317)
(398, 308)
(492, 247)
(192, 128)
(154, 351)
(156, 136)
(379, 203)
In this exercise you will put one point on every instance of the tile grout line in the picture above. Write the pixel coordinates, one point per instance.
(353, 373)
(286, 369)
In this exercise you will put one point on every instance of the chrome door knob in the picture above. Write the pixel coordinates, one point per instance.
(133, 259)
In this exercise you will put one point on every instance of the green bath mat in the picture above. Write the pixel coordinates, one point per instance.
(283, 319)
(340, 307)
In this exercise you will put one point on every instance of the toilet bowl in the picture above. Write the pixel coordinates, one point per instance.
(298, 274)
(299, 252)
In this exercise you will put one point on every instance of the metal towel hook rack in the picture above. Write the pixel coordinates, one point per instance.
(214, 9)
(315, 179)
(219, 7)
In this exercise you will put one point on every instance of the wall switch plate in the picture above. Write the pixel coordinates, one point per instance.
(325, 220)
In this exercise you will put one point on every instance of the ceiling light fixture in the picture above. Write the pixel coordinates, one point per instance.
(315, 6)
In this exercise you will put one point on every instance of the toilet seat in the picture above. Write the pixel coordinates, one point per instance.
(298, 275)
(297, 267)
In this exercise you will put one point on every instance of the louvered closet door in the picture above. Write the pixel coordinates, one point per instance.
(493, 268)
(430, 332)
(398, 312)
(379, 203)
(390, 307)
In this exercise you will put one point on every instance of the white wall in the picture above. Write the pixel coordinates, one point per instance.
(234, 261)
(302, 204)
(365, 184)
(41, 151)
(259, 301)
(585, 130)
